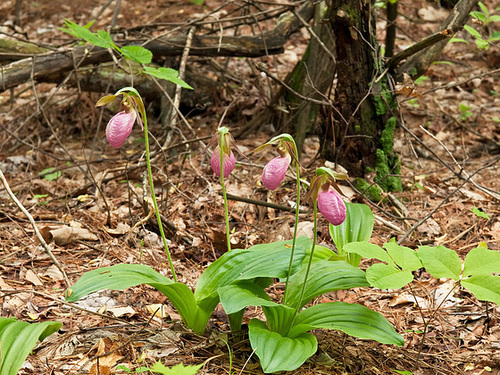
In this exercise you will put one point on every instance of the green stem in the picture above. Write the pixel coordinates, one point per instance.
(295, 229)
(310, 261)
(226, 210)
(155, 204)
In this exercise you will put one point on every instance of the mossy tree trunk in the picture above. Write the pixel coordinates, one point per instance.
(312, 77)
(357, 133)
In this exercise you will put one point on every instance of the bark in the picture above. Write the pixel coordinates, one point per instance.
(352, 138)
(312, 77)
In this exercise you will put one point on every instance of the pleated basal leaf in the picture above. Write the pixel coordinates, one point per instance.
(278, 353)
(353, 319)
(17, 340)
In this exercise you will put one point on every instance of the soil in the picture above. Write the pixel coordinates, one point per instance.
(57, 162)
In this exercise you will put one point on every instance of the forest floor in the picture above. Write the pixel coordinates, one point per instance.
(87, 197)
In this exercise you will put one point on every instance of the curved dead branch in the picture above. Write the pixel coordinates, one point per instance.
(42, 66)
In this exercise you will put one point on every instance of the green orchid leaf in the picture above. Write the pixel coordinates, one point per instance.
(404, 257)
(324, 276)
(138, 54)
(358, 226)
(123, 276)
(481, 261)
(279, 318)
(368, 250)
(18, 339)
(440, 261)
(484, 287)
(279, 353)
(353, 319)
(383, 276)
(241, 294)
(266, 260)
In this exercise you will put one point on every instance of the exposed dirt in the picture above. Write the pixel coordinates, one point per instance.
(99, 190)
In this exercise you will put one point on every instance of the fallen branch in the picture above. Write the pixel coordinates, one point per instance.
(42, 66)
(418, 63)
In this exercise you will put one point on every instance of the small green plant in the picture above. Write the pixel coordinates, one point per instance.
(50, 174)
(238, 278)
(18, 338)
(480, 213)
(478, 272)
(465, 111)
(484, 17)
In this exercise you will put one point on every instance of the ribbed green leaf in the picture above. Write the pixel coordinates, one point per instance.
(440, 261)
(239, 295)
(355, 320)
(267, 260)
(279, 318)
(358, 226)
(325, 276)
(17, 339)
(278, 353)
(123, 276)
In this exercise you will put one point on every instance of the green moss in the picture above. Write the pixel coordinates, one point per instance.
(372, 192)
(385, 165)
(387, 137)
(382, 169)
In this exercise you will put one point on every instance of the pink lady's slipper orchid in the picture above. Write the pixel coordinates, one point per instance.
(331, 206)
(329, 201)
(275, 171)
(224, 140)
(120, 127)
(229, 161)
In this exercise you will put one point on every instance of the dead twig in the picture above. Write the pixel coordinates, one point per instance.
(446, 199)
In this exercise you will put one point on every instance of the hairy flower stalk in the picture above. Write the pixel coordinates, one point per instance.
(119, 128)
(273, 174)
(222, 163)
(332, 207)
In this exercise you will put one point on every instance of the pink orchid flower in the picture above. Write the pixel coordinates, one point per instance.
(120, 127)
(275, 171)
(331, 206)
(229, 161)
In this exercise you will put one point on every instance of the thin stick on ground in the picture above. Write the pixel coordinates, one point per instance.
(35, 228)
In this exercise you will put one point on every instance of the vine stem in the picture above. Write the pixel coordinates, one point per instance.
(226, 210)
(295, 229)
(315, 227)
(155, 204)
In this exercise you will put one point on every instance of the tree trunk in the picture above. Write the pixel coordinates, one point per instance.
(359, 135)
(312, 77)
